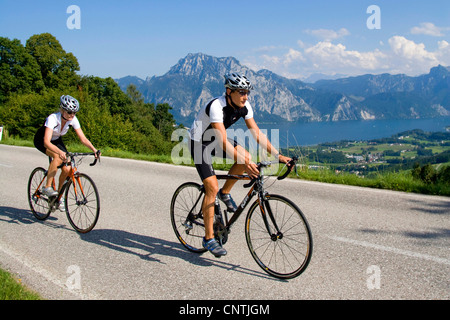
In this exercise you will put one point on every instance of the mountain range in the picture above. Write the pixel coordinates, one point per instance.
(197, 78)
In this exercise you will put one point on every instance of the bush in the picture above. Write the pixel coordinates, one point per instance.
(429, 175)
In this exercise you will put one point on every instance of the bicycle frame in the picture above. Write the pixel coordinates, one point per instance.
(72, 176)
(243, 204)
(255, 189)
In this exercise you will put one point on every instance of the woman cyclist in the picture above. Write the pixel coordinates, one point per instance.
(48, 140)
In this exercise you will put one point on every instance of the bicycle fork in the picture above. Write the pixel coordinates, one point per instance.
(266, 211)
(80, 197)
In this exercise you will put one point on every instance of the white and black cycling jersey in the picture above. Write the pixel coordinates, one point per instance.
(54, 122)
(218, 111)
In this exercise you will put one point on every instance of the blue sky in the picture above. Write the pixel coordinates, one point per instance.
(292, 38)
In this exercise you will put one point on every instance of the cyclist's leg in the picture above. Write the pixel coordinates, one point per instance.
(65, 170)
(211, 188)
(39, 144)
(201, 153)
(237, 168)
(53, 167)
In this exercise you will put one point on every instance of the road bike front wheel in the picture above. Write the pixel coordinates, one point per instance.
(186, 216)
(82, 203)
(285, 252)
(39, 203)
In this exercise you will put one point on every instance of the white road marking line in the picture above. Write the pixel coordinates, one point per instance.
(5, 165)
(392, 249)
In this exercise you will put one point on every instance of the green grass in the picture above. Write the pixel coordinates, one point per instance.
(12, 288)
(398, 181)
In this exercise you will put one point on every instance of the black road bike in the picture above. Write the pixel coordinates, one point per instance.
(277, 233)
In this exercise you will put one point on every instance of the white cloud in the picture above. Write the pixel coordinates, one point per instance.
(399, 55)
(410, 57)
(410, 50)
(429, 29)
(292, 56)
(328, 34)
(338, 57)
(443, 54)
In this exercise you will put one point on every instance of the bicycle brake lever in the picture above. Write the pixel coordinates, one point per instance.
(96, 159)
(248, 185)
(290, 165)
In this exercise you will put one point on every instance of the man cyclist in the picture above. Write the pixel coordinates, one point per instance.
(48, 140)
(210, 125)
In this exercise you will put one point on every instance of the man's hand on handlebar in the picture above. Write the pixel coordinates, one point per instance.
(290, 164)
(283, 159)
(252, 169)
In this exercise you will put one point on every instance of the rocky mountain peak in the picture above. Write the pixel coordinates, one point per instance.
(198, 77)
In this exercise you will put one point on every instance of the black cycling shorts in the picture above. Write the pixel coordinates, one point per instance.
(39, 141)
(202, 153)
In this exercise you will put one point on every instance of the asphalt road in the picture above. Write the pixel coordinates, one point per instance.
(368, 244)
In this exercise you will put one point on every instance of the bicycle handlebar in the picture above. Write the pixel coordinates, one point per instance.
(290, 165)
(97, 158)
(77, 154)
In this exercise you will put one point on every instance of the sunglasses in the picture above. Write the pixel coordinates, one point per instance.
(243, 92)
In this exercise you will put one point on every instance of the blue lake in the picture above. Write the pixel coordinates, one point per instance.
(304, 134)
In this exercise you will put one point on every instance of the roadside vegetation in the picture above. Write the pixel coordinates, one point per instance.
(411, 161)
(11, 288)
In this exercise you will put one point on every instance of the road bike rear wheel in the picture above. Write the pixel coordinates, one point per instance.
(186, 216)
(39, 203)
(82, 203)
(284, 253)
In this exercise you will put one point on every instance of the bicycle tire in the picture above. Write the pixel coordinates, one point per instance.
(284, 256)
(82, 208)
(189, 228)
(38, 202)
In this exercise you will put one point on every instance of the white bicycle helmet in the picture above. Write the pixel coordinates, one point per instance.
(69, 103)
(235, 81)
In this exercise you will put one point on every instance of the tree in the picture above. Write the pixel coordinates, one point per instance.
(134, 95)
(19, 71)
(163, 119)
(57, 66)
(108, 93)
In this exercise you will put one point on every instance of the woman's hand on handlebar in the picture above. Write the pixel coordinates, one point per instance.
(63, 156)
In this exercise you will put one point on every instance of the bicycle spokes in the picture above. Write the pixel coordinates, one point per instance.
(82, 203)
(187, 217)
(279, 239)
(39, 203)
